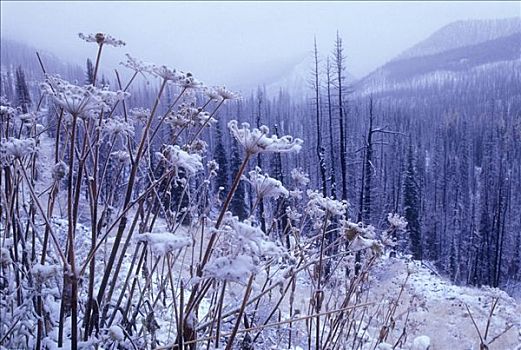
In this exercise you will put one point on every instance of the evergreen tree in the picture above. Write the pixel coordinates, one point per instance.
(411, 204)
(221, 180)
(23, 98)
(238, 203)
(89, 75)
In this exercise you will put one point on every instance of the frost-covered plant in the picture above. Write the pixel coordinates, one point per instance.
(137, 65)
(231, 268)
(17, 148)
(174, 156)
(244, 249)
(319, 207)
(165, 242)
(300, 177)
(396, 221)
(59, 170)
(265, 186)
(101, 39)
(226, 94)
(80, 100)
(257, 141)
(117, 126)
(168, 74)
(122, 157)
(139, 114)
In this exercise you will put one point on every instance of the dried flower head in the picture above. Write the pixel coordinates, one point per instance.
(164, 242)
(257, 140)
(300, 177)
(122, 157)
(226, 94)
(59, 170)
(174, 156)
(396, 221)
(101, 39)
(212, 94)
(265, 186)
(318, 206)
(17, 148)
(189, 82)
(117, 126)
(137, 65)
(80, 100)
(139, 114)
(167, 73)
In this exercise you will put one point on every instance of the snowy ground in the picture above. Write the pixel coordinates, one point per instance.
(440, 311)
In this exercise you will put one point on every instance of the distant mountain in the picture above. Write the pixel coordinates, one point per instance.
(463, 33)
(297, 79)
(14, 53)
(448, 54)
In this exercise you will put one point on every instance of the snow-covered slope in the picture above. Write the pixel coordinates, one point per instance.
(453, 52)
(463, 33)
(439, 311)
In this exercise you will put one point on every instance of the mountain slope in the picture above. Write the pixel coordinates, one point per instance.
(463, 33)
(436, 60)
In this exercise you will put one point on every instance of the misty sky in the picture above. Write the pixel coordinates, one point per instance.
(229, 42)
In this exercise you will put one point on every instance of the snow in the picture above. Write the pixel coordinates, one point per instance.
(116, 333)
(44, 272)
(233, 269)
(165, 242)
(439, 316)
(422, 342)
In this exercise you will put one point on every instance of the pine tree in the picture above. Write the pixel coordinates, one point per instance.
(411, 204)
(89, 74)
(238, 203)
(23, 97)
(221, 180)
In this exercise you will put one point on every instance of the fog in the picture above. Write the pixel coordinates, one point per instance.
(234, 42)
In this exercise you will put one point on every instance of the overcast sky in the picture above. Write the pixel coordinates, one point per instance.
(231, 41)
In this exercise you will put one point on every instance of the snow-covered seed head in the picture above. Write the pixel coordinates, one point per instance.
(174, 156)
(115, 334)
(17, 148)
(139, 114)
(59, 170)
(318, 205)
(80, 101)
(121, 157)
(212, 94)
(137, 65)
(265, 186)
(162, 243)
(300, 177)
(257, 140)
(117, 126)
(101, 39)
(7, 112)
(167, 73)
(213, 167)
(227, 94)
(396, 221)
